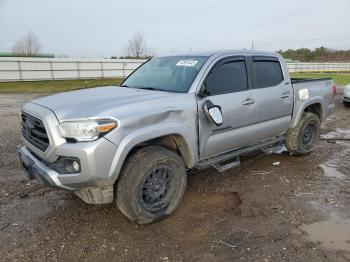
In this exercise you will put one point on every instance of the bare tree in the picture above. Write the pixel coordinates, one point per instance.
(28, 45)
(136, 46)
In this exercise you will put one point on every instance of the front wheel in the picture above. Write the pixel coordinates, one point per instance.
(152, 184)
(302, 138)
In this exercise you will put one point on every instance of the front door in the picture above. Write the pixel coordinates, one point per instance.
(227, 86)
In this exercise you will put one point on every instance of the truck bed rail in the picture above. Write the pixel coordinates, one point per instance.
(305, 80)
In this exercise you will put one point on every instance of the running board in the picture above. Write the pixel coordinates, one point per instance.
(272, 149)
(223, 167)
(217, 161)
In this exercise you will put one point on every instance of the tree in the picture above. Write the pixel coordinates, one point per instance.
(320, 54)
(28, 45)
(136, 46)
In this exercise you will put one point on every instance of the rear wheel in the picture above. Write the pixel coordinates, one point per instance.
(302, 138)
(152, 184)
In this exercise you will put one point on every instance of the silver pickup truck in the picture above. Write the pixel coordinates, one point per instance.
(135, 144)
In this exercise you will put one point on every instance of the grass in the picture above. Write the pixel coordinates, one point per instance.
(55, 86)
(339, 79)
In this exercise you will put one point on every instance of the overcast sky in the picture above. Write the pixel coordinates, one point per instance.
(91, 28)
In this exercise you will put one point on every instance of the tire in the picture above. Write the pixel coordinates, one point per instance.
(302, 138)
(152, 184)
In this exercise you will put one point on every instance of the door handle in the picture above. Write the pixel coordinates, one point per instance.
(248, 101)
(285, 95)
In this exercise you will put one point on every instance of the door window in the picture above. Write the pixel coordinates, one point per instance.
(267, 73)
(227, 77)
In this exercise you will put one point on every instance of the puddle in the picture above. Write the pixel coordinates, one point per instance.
(337, 162)
(332, 234)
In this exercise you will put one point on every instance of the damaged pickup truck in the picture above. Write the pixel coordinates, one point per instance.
(135, 144)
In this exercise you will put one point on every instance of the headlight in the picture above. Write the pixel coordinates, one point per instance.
(86, 130)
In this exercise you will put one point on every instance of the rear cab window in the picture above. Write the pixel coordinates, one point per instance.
(267, 72)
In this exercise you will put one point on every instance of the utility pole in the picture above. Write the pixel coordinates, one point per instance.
(253, 44)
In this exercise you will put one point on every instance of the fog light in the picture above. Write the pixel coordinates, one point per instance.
(76, 166)
(71, 165)
(66, 165)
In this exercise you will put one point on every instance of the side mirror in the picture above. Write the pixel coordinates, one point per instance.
(213, 113)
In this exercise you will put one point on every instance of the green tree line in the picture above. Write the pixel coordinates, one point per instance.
(320, 54)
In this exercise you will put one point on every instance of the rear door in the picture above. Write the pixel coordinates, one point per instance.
(228, 87)
(274, 97)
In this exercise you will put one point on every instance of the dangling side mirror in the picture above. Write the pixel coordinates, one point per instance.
(213, 113)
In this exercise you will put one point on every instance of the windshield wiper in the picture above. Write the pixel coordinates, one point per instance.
(146, 88)
(150, 88)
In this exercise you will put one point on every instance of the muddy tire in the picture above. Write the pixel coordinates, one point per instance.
(152, 184)
(302, 138)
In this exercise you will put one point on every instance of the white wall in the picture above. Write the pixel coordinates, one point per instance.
(32, 69)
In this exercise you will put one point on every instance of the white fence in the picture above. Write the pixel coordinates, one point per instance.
(319, 67)
(32, 69)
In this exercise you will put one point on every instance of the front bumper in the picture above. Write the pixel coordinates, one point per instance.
(36, 169)
(91, 187)
(95, 162)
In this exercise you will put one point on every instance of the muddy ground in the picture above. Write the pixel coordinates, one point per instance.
(298, 210)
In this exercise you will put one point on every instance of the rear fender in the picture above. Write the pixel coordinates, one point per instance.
(300, 107)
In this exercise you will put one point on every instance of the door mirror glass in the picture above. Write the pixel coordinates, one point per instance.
(215, 114)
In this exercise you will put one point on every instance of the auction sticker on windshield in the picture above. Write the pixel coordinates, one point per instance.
(187, 63)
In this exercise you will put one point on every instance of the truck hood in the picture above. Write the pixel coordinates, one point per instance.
(110, 101)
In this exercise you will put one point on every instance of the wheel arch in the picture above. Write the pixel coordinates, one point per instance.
(313, 105)
(171, 136)
(315, 108)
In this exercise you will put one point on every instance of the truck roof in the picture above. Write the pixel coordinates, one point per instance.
(224, 52)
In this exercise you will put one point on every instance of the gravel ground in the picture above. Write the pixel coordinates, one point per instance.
(295, 211)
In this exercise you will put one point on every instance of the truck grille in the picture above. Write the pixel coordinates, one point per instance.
(34, 131)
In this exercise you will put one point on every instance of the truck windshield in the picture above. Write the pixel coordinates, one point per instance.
(171, 73)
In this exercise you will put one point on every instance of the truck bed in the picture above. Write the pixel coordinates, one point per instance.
(319, 91)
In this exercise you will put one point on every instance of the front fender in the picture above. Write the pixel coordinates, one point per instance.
(300, 107)
(149, 133)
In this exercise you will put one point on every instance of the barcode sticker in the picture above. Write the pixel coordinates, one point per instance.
(187, 63)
